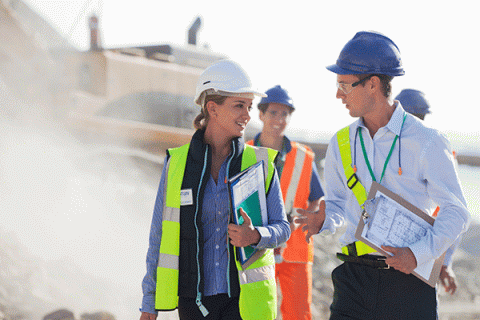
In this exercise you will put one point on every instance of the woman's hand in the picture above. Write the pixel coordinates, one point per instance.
(245, 234)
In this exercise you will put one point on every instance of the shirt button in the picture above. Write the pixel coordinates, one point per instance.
(217, 246)
(219, 212)
(217, 264)
(218, 229)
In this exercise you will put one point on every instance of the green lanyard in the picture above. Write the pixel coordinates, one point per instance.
(388, 157)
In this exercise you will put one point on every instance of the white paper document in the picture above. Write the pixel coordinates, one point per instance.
(393, 225)
(392, 221)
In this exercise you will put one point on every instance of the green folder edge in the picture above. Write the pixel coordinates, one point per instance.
(252, 203)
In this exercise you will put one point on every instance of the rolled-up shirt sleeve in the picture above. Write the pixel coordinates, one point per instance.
(443, 187)
(316, 191)
(335, 193)
(278, 229)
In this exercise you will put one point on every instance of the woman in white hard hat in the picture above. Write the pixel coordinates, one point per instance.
(191, 260)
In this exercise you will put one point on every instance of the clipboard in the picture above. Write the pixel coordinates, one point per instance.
(393, 221)
(247, 191)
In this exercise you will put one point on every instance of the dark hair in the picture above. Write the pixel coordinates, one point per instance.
(420, 116)
(263, 107)
(385, 80)
(201, 120)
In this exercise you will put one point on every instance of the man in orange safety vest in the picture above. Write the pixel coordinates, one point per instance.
(300, 184)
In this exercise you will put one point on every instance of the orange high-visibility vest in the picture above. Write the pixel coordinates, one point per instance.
(295, 185)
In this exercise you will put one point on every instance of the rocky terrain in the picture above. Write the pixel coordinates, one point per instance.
(31, 288)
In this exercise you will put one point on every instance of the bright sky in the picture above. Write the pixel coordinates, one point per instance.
(290, 43)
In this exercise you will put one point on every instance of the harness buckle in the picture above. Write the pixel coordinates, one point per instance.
(354, 183)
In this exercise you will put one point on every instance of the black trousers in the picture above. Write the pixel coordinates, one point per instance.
(220, 307)
(362, 292)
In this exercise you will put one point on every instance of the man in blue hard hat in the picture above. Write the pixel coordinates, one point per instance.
(300, 184)
(390, 147)
(414, 102)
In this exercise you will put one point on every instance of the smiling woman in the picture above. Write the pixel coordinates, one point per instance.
(191, 261)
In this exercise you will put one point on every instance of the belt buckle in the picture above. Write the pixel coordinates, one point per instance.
(387, 265)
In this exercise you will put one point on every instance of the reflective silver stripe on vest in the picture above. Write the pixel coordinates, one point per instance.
(296, 174)
(167, 261)
(262, 154)
(257, 274)
(171, 214)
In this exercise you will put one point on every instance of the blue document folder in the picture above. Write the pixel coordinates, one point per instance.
(247, 191)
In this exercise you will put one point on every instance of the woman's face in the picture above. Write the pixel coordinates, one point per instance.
(232, 116)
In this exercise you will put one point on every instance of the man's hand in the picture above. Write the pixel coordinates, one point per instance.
(447, 278)
(148, 316)
(312, 221)
(245, 234)
(402, 260)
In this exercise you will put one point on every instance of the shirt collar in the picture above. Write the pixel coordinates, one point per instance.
(396, 121)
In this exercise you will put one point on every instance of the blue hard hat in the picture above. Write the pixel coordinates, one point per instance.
(277, 95)
(367, 53)
(413, 101)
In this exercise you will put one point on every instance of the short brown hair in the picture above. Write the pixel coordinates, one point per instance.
(263, 107)
(385, 80)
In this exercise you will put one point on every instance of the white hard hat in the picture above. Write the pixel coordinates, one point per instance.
(225, 77)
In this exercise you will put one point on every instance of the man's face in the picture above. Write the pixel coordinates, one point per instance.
(276, 118)
(358, 100)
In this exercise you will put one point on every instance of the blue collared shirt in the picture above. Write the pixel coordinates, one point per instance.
(428, 179)
(215, 219)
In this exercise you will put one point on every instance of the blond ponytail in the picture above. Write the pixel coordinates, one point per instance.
(201, 120)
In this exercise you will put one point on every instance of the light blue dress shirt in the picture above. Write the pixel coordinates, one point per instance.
(428, 179)
(215, 219)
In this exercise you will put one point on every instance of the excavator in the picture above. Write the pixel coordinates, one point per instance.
(137, 99)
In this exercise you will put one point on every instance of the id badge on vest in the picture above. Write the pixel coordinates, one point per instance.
(186, 197)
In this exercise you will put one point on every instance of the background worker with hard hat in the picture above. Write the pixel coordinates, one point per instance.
(393, 148)
(191, 260)
(414, 102)
(300, 184)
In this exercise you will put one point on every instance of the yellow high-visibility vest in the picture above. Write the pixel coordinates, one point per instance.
(258, 299)
(353, 183)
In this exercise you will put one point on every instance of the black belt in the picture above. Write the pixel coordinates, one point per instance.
(374, 261)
